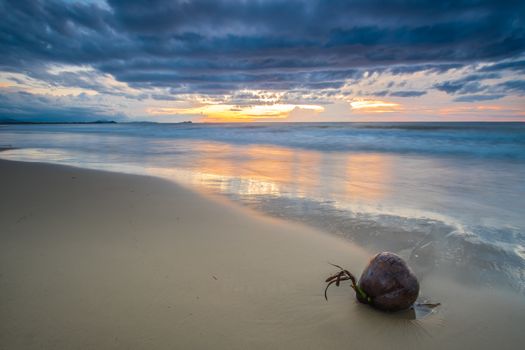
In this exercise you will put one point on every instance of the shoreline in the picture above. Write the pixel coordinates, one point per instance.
(428, 240)
(93, 259)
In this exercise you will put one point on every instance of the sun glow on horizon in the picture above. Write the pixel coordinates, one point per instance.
(235, 113)
(375, 106)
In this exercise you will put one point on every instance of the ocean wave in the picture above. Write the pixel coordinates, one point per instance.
(504, 140)
(480, 254)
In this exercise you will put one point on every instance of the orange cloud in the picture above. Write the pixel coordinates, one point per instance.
(470, 109)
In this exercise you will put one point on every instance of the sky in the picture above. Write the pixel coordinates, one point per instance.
(262, 60)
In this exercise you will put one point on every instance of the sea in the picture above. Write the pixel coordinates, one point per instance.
(446, 196)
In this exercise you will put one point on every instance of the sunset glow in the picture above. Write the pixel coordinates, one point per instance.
(231, 113)
(375, 106)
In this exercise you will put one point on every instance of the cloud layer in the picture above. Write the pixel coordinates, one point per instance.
(166, 50)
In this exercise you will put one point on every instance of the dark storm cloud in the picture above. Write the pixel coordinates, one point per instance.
(89, 80)
(215, 47)
(404, 93)
(466, 85)
(477, 98)
(25, 106)
(513, 85)
(473, 88)
(381, 93)
(408, 93)
(518, 66)
(430, 68)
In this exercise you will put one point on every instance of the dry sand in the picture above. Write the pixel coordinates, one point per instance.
(96, 260)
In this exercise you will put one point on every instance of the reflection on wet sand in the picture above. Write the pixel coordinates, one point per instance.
(252, 171)
(367, 176)
(280, 171)
(248, 170)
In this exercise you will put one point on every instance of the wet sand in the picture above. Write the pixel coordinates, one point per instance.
(98, 260)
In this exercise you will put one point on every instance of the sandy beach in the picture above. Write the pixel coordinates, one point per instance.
(193, 174)
(99, 260)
